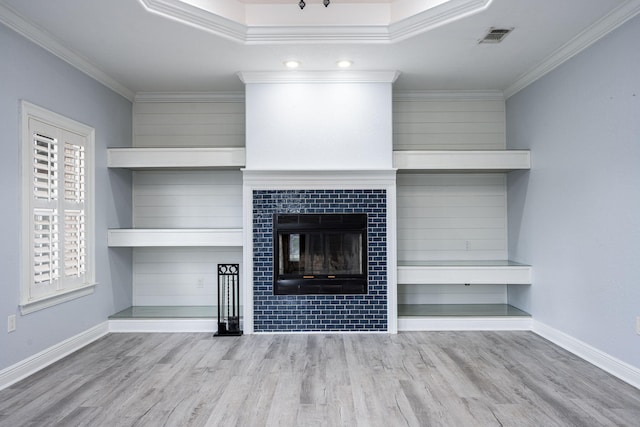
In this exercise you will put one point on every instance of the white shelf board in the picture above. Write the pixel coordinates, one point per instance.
(461, 160)
(177, 158)
(174, 237)
(464, 272)
(481, 323)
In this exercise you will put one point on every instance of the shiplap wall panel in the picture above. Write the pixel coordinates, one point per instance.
(187, 199)
(452, 294)
(465, 124)
(183, 124)
(451, 217)
(172, 276)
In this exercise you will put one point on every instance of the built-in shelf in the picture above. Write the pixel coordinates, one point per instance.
(167, 312)
(174, 237)
(461, 160)
(177, 158)
(234, 158)
(463, 272)
(462, 317)
(459, 310)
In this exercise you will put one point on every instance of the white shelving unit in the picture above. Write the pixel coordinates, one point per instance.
(174, 237)
(220, 158)
(464, 272)
(415, 273)
(498, 272)
(461, 160)
(176, 158)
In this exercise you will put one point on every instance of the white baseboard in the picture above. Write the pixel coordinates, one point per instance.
(602, 360)
(464, 323)
(163, 325)
(33, 364)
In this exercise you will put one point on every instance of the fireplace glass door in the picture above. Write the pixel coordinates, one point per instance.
(320, 254)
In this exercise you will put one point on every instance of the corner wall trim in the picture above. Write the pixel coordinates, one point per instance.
(33, 364)
(602, 360)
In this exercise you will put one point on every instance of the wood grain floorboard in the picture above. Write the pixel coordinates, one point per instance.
(369, 380)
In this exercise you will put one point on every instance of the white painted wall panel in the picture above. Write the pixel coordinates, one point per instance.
(173, 276)
(452, 294)
(448, 124)
(187, 199)
(451, 217)
(308, 126)
(197, 124)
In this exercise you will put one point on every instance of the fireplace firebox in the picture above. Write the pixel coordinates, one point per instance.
(320, 254)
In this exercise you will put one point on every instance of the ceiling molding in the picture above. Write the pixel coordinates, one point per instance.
(441, 14)
(586, 38)
(318, 76)
(46, 41)
(449, 95)
(159, 97)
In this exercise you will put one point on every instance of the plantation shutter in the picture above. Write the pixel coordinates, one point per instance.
(58, 245)
(45, 248)
(74, 207)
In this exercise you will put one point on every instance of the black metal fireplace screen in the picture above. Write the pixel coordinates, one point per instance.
(320, 254)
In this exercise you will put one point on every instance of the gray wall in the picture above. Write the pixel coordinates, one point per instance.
(576, 215)
(30, 73)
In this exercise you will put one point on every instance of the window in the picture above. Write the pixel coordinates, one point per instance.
(57, 236)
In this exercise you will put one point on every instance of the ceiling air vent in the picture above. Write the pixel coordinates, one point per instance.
(495, 35)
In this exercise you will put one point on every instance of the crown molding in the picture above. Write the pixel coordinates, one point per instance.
(318, 76)
(159, 97)
(441, 14)
(586, 38)
(46, 41)
(449, 95)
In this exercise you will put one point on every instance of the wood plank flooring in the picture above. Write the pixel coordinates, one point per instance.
(409, 379)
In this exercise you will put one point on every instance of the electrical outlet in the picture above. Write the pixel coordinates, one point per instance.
(200, 283)
(11, 323)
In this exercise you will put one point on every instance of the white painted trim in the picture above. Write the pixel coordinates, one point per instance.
(192, 97)
(178, 237)
(175, 158)
(448, 95)
(248, 77)
(464, 323)
(616, 367)
(41, 360)
(318, 179)
(48, 42)
(51, 300)
(586, 38)
(363, 32)
(247, 254)
(162, 325)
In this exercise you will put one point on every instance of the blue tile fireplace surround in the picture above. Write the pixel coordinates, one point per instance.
(299, 313)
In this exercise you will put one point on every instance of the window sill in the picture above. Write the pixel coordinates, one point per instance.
(56, 299)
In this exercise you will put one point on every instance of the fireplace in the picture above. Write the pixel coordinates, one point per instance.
(298, 312)
(320, 254)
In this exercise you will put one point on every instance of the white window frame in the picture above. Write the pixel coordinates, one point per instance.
(65, 287)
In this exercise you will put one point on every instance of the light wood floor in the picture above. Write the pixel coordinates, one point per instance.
(417, 378)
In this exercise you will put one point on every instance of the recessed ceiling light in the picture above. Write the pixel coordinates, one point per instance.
(345, 64)
(292, 64)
